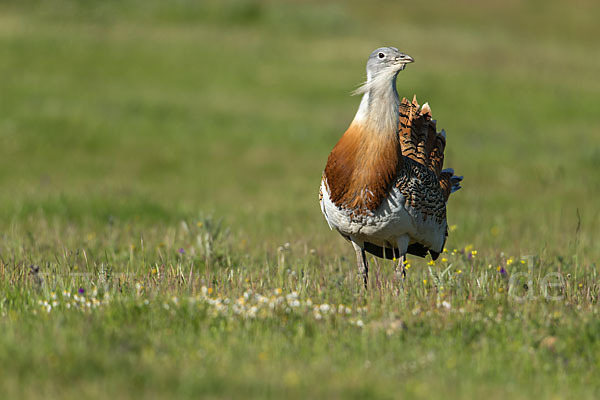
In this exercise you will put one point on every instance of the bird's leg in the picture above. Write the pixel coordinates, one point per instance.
(401, 267)
(361, 261)
(402, 243)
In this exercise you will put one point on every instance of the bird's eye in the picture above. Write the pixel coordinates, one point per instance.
(381, 55)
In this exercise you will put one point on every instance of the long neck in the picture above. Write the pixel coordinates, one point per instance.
(366, 160)
(378, 110)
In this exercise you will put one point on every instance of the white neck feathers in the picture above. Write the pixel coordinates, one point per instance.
(378, 110)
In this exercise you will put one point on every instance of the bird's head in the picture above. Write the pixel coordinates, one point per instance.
(383, 66)
(388, 61)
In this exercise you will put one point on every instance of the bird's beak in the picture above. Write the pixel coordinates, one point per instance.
(404, 59)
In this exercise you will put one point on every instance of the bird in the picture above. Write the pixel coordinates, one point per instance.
(384, 188)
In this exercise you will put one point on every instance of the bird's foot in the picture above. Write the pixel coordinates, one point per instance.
(401, 268)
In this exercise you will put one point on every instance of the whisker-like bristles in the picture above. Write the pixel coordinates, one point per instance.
(378, 82)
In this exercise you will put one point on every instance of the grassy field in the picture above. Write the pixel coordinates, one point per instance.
(160, 233)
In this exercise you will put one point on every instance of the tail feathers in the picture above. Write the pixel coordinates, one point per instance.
(449, 182)
(422, 133)
(419, 139)
(408, 111)
(436, 156)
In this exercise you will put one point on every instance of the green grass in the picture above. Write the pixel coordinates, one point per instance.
(130, 130)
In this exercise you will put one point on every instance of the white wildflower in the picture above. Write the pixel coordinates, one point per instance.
(292, 296)
(252, 312)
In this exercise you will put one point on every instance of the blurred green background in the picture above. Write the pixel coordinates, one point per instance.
(125, 125)
(160, 110)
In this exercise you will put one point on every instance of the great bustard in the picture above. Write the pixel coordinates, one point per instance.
(383, 187)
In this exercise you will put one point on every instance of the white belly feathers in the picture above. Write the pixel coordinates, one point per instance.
(390, 221)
